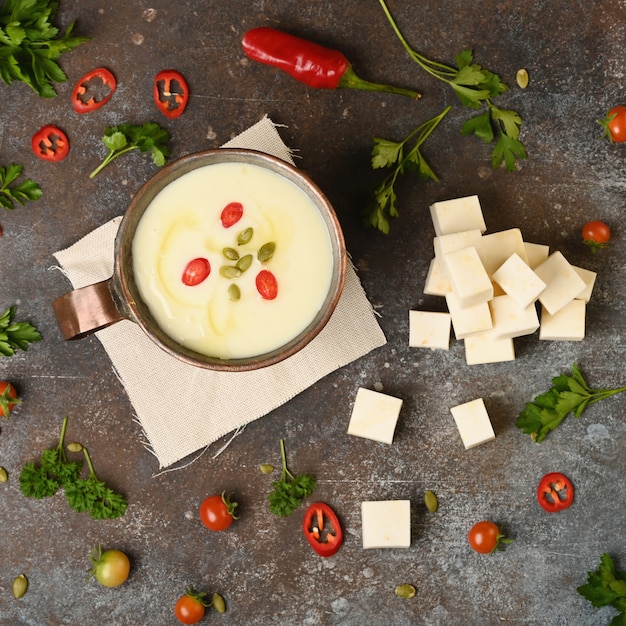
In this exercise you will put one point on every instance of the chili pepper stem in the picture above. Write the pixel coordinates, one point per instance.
(352, 81)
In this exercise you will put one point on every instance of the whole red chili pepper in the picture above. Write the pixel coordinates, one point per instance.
(171, 93)
(50, 143)
(308, 62)
(82, 105)
(555, 492)
(322, 529)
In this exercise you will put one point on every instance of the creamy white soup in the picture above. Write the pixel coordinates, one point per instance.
(232, 260)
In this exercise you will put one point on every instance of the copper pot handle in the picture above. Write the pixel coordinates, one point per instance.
(84, 311)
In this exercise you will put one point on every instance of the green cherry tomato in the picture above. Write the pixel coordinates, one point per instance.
(111, 567)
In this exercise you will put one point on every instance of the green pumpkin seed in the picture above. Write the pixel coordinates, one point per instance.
(230, 271)
(266, 468)
(231, 254)
(244, 263)
(245, 236)
(406, 591)
(20, 586)
(234, 293)
(522, 78)
(218, 603)
(75, 447)
(431, 502)
(3, 475)
(266, 251)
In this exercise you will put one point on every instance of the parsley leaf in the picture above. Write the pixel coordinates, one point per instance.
(15, 335)
(21, 193)
(54, 471)
(475, 87)
(386, 153)
(92, 495)
(30, 45)
(607, 586)
(149, 137)
(568, 394)
(289, 492)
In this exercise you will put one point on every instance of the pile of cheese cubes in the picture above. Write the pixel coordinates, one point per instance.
(493, 285)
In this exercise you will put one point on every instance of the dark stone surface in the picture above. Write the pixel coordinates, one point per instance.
(573, 52)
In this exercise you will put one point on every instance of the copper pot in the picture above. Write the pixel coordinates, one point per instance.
(86, 310)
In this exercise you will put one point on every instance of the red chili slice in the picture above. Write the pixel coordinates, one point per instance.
(50, 143)
(322, 529)
(82, 101)
(231, 214)
(555, 492)
(171, 93)
(267, 285)
(197, 271)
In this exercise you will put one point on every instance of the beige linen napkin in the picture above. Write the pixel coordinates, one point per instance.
(212, 404)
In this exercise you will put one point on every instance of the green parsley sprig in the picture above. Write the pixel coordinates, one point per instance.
(475, 86)
(568, 394)
(386, 153)
(56, 472)
(606, 586)
(15, 335)
(289, 492)
(12, 192)
(30, 44)
(149, 137)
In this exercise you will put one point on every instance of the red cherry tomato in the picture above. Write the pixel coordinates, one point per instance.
(190, 608)
(596, 235)
(231, 214)
(218, 512)
(83, 104)
(485, 537)
(555, 492)
(197, 271)
(171, 93)
(50, 143)
(8, 398)
(267, 285)
(322, 529)
(614, 124)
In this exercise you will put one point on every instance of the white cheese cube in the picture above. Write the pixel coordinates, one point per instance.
(519, 281)
(374, 415)
(470, 282)
(567, 324)
(452, 216)
(453, 242)
(429, 329)
(589, 278)
(437, 284)
(563, 283)
(510, 319)
(473, 423)
(473, 319)
(487, 347)
(498, 247)
(386, 524)
(536, 253)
